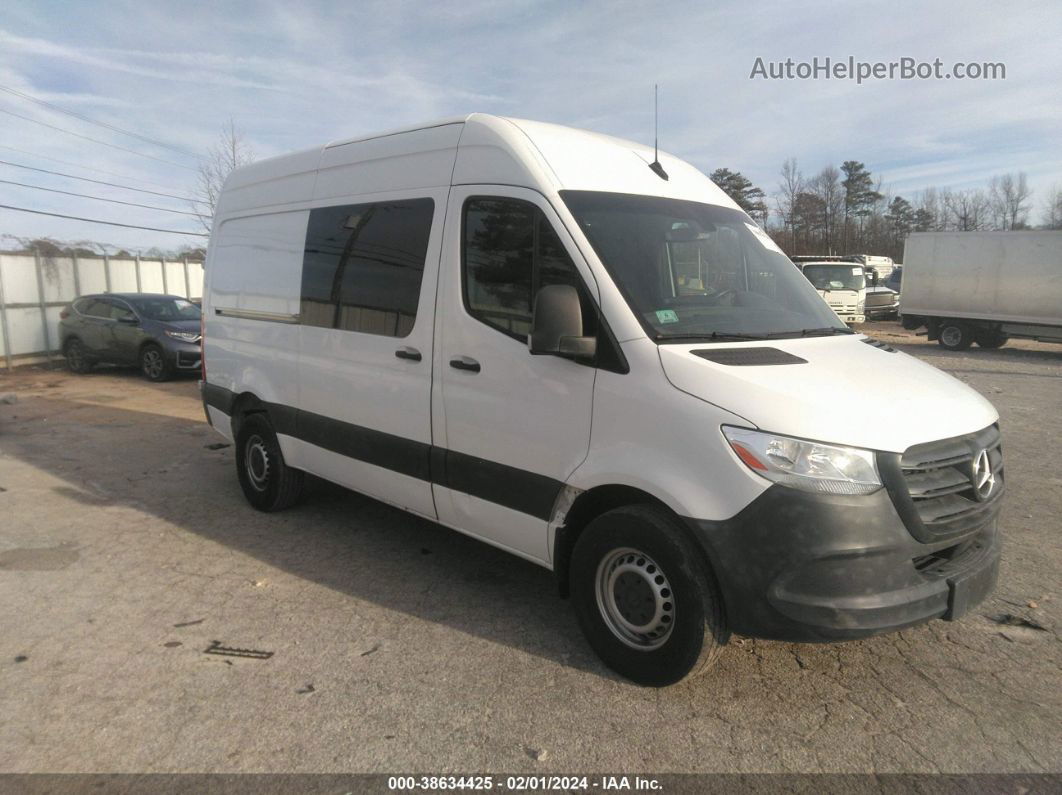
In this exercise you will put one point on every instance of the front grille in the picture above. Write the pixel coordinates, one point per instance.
(939, 499)
(956, 557)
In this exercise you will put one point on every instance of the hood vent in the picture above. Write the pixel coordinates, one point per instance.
(879, 344)
(748, 357)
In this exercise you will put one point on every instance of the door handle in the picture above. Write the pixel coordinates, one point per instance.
(465, 363)
(408, 353)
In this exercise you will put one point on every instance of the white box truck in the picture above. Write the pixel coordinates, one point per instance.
(983, 287)
(551, 341)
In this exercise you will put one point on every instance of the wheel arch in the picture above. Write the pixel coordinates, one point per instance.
(594, 502)
(243, 405)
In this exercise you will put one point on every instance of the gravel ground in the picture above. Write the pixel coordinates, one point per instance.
(126, 550)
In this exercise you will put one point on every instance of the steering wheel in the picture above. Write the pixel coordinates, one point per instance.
(719, 296)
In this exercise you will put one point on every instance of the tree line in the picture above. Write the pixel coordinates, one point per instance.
(846, 210)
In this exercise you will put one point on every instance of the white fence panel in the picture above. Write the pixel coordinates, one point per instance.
(57, 275)
(151, 276)
(20, 309)
(20, 280)
(195, 279)
(175, 278)
(27, 333)
(91, 275)
(123, 276)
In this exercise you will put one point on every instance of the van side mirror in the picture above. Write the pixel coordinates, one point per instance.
(557, 324)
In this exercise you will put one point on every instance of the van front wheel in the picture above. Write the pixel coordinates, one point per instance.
(647, 604)
(268, 483)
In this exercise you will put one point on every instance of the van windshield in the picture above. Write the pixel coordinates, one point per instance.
(693, 271)
(839, 276)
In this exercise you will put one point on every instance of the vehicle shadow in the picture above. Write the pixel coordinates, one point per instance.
(932, 350)
(345, 541)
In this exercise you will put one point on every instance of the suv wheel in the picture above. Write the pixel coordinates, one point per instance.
(77, 356)
(268, 483)
(153, 364)
(647, 604)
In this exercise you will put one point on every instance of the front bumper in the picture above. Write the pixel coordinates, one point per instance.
(183, 355)
(892, 310)
(796, 566)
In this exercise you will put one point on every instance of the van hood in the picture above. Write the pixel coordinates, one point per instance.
(847, 391)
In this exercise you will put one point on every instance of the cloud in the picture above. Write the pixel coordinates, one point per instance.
(295, 75)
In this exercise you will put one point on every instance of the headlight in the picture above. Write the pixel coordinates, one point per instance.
(809, 466)
(862, 305)
(184, 336)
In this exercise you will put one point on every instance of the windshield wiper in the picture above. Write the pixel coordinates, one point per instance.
(812, 332)
(715, 335)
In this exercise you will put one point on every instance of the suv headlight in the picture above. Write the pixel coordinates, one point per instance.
(184, 336)
(809, 466)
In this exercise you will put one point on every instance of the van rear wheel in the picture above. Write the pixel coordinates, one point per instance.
(646, 602)
(268, 483)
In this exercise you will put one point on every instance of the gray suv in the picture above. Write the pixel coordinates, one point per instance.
(158, 333)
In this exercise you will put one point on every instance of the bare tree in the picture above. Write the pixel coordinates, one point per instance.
(967, 209)
(827, 186)
(1053, 209)
(229, 153)
(1014, 194)
(788, 189)
(997, 204)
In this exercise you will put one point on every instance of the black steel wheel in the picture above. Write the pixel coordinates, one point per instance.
(268, 483)
(645, 597)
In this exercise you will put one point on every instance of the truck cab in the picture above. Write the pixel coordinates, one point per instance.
(843, 285)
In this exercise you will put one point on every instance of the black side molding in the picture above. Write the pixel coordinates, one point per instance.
(516, 489)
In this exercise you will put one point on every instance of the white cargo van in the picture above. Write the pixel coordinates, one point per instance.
(545, 339)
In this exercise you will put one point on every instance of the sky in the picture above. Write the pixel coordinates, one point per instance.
(295, 75)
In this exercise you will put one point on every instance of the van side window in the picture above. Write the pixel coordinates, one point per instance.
(363, 264)
(510, 251)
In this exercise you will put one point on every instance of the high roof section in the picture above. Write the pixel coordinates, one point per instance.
(474, 149)
(572, 159)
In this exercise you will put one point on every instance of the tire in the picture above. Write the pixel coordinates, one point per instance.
(153, 364)
(646, 602)
(268, 483)
(955, 336)
(77, 358)
(991, 339)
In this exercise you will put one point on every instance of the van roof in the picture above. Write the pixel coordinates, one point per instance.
(477, 148)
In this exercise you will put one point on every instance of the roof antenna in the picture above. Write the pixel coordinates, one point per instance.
(655, 165)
